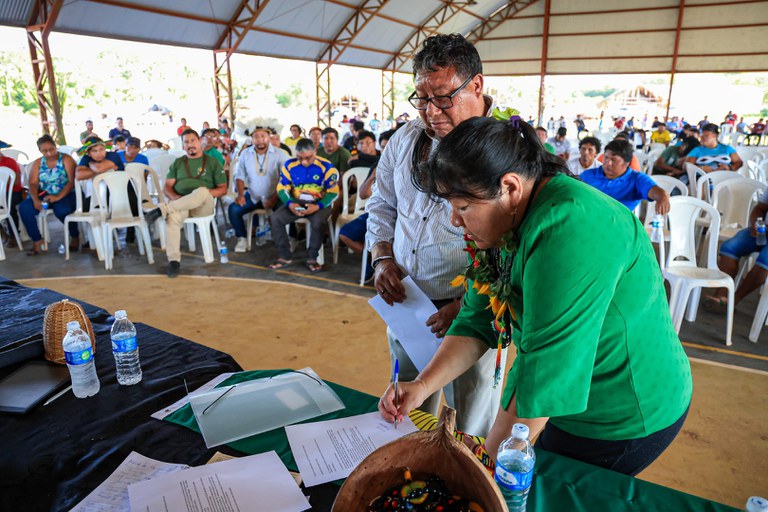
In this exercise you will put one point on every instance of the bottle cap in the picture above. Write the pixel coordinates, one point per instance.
(74, 324)
(120, 314)
(520, 431)
(757, 504)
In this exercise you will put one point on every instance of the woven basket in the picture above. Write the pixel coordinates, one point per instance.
(57, 315)
(434, 452)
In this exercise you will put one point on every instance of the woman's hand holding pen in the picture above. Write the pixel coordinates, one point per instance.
(409, 396)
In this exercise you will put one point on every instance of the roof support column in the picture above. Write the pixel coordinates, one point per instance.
(387, 95)
(238, 27)
(44, 14)
(323, 90)
(338, 45)
(544, 52)
(680, 11)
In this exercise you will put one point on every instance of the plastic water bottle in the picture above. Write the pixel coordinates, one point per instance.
(261, 234)
(756, 504)
(514, 468)
(62, 249)
(760, 228)
(125, 349)
(78, 353)
(46, 205)
(223, 252)
(657, 228)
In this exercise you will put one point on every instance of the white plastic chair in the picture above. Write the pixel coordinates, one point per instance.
(734, 200)
(204, 226)
(149, 200)
(761, 314)
(753, 170)
(706, 184)
(15, 154)
(161, 164)
(7, 179)
(694, 172)
(668, 184)
(686, 278)
(263, 216)
(92, 219)
(347, 216)
(68, 150)
(116, 213)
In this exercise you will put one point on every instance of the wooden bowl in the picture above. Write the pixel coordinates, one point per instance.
(434, 452)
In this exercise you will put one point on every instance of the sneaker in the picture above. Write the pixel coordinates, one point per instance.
(173, 268)
(241, 245)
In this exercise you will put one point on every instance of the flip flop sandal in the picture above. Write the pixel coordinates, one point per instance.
(280, 264)
(716, 304)
(314, 267)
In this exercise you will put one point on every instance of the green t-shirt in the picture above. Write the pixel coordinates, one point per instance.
(339, 159)
(596, 348)
(548, 147)
(210, 177)
(671, 157)
(215, 153)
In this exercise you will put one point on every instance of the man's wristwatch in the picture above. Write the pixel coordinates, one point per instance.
(378, 260)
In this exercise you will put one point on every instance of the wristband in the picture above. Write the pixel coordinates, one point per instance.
(378, 260)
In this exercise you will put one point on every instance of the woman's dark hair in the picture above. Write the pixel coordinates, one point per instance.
(622, 148)
(298, 128)
(45, 139)
(471, 160)
(594, 141)
(448, 50)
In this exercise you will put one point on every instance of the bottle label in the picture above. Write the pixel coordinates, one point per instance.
(126, 345)
(513, 480)
(81, 357)
(761, 230)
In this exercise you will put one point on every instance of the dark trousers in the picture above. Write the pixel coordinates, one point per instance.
(629, 456)
(236, 213)
(318, 221)
(61, 209)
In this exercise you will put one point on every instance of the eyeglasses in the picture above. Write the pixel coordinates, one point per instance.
(441, 102)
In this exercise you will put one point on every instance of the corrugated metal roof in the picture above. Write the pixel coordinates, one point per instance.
(599, 36)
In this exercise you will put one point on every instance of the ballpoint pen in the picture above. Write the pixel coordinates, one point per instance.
(395, 379)
(57, 395)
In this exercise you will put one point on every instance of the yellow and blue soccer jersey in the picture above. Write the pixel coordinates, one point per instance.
(319, 181)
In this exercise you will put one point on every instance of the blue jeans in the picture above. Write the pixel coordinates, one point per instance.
(236, 213)
(744, 244)
(61, 209)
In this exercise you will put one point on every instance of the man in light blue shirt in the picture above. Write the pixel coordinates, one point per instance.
(256, 175)
(626, 185)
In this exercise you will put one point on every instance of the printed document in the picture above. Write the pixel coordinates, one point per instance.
(408, 320)
(329, 450)
(112, 494)
(227, 486)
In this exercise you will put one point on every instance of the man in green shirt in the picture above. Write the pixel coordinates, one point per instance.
(193, 182)
(334, 153)
(210, 141)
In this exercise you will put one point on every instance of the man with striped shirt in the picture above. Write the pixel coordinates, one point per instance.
(410, 234)
(307, 188)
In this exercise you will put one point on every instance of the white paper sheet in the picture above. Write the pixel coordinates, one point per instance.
(227, 486)
(408, 320)
(329, 450)
(181, 402)
(112, 494)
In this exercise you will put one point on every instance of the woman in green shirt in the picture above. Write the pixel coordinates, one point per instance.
(573, 281)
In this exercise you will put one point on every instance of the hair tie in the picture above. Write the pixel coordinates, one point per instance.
(514, 122)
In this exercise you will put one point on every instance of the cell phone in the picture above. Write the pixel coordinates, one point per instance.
(300, 209)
